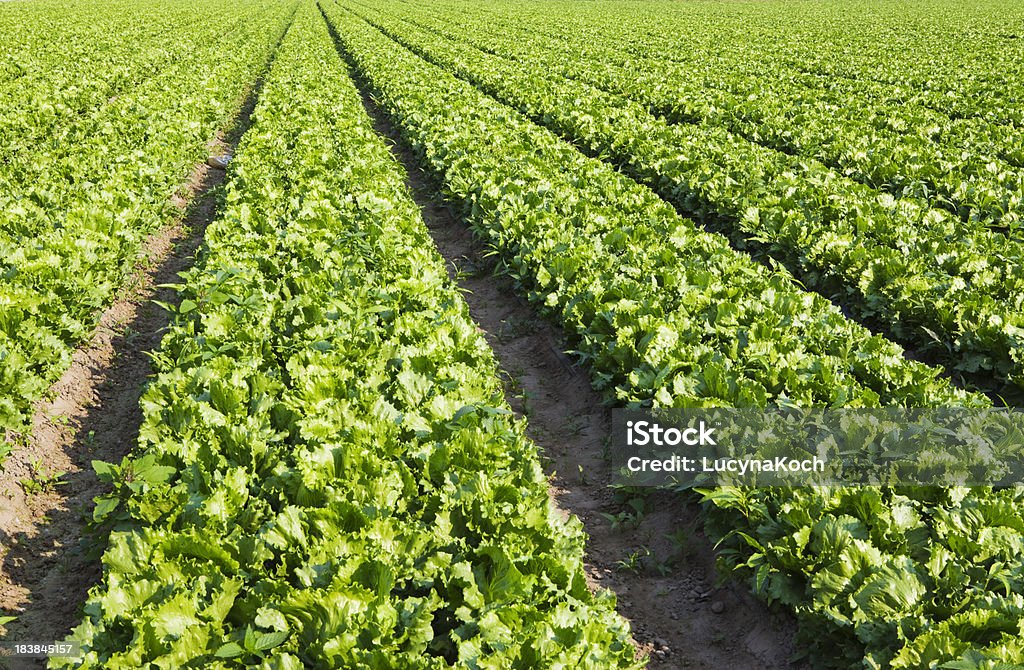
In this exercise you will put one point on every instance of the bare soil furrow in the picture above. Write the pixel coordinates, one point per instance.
(48, 556)
(648, 549)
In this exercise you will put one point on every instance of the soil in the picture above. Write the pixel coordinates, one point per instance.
(648, 550)
(656, 560)
(48, 557)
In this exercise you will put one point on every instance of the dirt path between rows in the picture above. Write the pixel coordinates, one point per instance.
(48, 559)
(648, 550)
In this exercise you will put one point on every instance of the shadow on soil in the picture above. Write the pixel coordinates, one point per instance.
(49, 558)
(647, 549)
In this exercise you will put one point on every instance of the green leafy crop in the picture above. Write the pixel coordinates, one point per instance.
(665, 314)
(949, 287)
(328, 475)
(100, 127)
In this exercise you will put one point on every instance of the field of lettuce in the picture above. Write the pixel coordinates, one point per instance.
(736, 203)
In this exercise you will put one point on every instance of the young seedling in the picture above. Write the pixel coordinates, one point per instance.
(60, 419)
(633, 562)
(130, 335)
(663, 568)
(576, 426)
(618, 520)
(39, 482)
(683, 539)
(467, 268)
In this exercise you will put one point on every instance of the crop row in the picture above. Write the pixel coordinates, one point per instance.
(961, 62)
(907, 151)
(665, 313)
(328, 475)
(892, 263)
(76, 68)
(75, 208)
(661, 282)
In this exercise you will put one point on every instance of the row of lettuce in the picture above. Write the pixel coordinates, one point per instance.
(53, 76)
(961, 61)
(99, 134)
(328, 474)
(667, 314)
(971, 169)
(952, 291)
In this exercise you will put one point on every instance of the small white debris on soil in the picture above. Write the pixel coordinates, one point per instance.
(219, 162)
